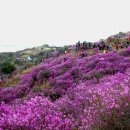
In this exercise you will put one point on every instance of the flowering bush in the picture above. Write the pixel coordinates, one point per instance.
(83, 93)
(99, 105)
(36, 114)
(125, 52)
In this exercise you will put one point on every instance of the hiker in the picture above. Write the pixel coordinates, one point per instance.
(90, 45)
(103, 45)
(117, 47)
(105, 51)
(107, 48)
(84, 45)
(126, 44)
(121, 46)
(87, 45)
(78, 45)
(94, 45)
(110, 47)
(100, 47)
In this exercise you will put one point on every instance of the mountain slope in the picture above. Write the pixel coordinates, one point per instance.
(71, 92)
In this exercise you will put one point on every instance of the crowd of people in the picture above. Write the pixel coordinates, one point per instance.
(102, 45)
(121, 45)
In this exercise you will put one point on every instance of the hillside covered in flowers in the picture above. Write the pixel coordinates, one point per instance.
(71, 92)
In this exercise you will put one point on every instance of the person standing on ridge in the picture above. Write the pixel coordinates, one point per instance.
(117, 47)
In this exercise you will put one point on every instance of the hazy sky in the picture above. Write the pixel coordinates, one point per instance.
(28, 23)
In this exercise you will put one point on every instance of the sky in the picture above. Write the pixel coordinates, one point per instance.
(30, 23)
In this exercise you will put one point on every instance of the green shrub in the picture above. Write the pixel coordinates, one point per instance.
(7, 68)
(98, 76)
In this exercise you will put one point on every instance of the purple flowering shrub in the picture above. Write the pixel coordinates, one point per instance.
(86, 68)
(101, 105)
(35, 114)
(86, 106)
(125, 52)
(83, 92)
(68, 71)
